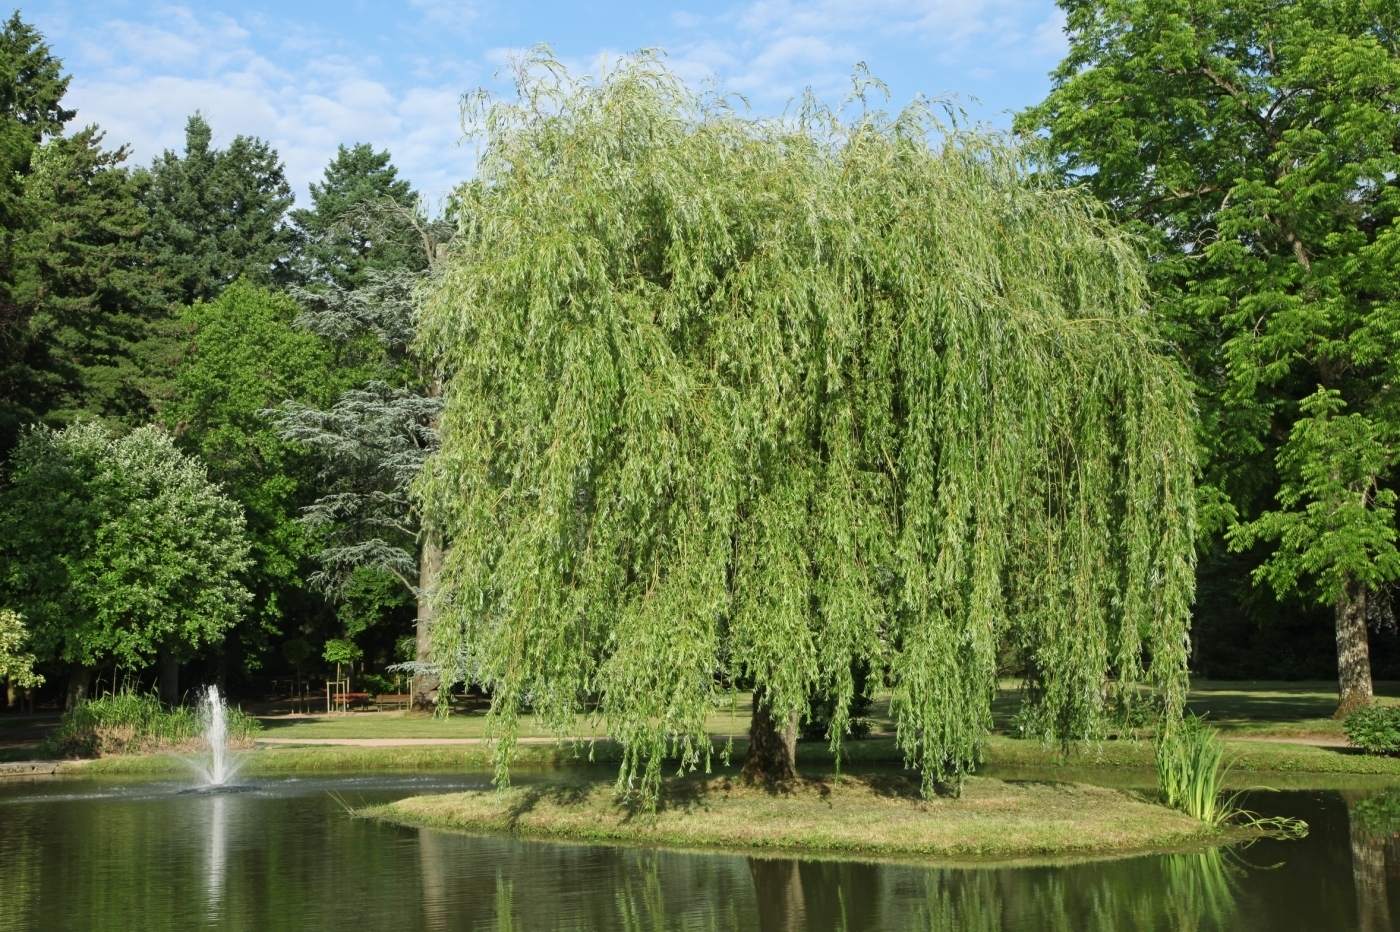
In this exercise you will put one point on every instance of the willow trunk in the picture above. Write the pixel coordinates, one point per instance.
(772, 753)
(1353, 651)
(424, 687)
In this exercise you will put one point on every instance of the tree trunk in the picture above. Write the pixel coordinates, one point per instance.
(168, 673)
(77, 686)
(10, 694)
(772, 753)
(424, 688)
(1353, 651)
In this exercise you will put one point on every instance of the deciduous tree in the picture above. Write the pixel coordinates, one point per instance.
(116, 549)
(735, 400)
(1255, 146)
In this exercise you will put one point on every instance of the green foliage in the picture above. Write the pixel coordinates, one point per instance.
(1344, 530)
(129, 722)
(340, 244)
(217, 215)
(1376, 728)
(743, 398)
(1190, 759)
(243, 355)
(89, 326)
(33, 85)
(16, 664)
(1255, 146)
(296, 651)
(369, 597)
(339, 650)
(113, 547)
(376, 685)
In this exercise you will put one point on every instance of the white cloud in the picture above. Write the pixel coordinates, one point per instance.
(141, 80)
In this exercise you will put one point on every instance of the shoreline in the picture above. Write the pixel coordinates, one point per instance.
(291, 756)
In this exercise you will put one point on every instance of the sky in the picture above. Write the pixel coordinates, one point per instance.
(307, 75)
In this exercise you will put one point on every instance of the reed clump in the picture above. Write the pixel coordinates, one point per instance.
(129, 722)
(1190, 767)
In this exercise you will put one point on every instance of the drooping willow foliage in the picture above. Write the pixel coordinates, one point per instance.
(732, 399)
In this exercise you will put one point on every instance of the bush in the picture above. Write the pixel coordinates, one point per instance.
(136, 723)
(1375, 728)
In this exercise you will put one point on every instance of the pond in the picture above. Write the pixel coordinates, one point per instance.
(86, 854)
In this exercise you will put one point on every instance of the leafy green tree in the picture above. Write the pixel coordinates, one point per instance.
(243, 354)
(338, 232)
(217, 215)
(117, 549)
(16, 664)
(1336, 526)
(1255, 146)
(735, 400)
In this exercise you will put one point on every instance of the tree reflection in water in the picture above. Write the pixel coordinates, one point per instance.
(1374, 830)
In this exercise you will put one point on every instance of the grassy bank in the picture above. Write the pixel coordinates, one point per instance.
(879, 816)
(1242, 756)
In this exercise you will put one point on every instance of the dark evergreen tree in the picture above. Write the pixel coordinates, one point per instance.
(376, 245)
(338, 244)
(85, 289)
(217, 215)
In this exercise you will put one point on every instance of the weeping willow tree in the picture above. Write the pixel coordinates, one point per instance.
(734, 401)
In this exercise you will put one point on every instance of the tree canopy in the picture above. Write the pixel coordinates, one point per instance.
(113, 547)
(737, 401)
(1255, 146)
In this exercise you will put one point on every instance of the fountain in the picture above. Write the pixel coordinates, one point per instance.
(223, 764)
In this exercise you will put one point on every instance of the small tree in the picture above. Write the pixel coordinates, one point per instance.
(1336, 528)
(16, 664)
(117, 549)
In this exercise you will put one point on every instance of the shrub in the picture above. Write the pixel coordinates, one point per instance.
(136, 723)
(1375, 728)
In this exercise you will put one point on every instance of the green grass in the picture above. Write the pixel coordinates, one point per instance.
(869, 815)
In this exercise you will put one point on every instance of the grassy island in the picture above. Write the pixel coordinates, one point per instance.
(865, 816)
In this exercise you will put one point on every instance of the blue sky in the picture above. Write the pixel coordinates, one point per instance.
(308, 74)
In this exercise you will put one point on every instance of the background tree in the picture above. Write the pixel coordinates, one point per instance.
(116, 549)
(1255, 147)
(374, 439)
(16, 664)
(217, 215)
(242, 354)
(338, 246)
(85, 289)
(1342, 536)
(733, 400)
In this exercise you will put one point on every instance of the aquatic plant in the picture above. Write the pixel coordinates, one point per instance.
(1190, 767)
(131, 722)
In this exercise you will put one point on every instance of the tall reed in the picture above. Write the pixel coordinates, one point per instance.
(127, 722)
(1190, 769)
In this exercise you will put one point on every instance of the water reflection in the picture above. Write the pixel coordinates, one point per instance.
(289, 858)
(218, 826)
(1373, 827)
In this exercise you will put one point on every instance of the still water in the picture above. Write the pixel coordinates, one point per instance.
(119, 856)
